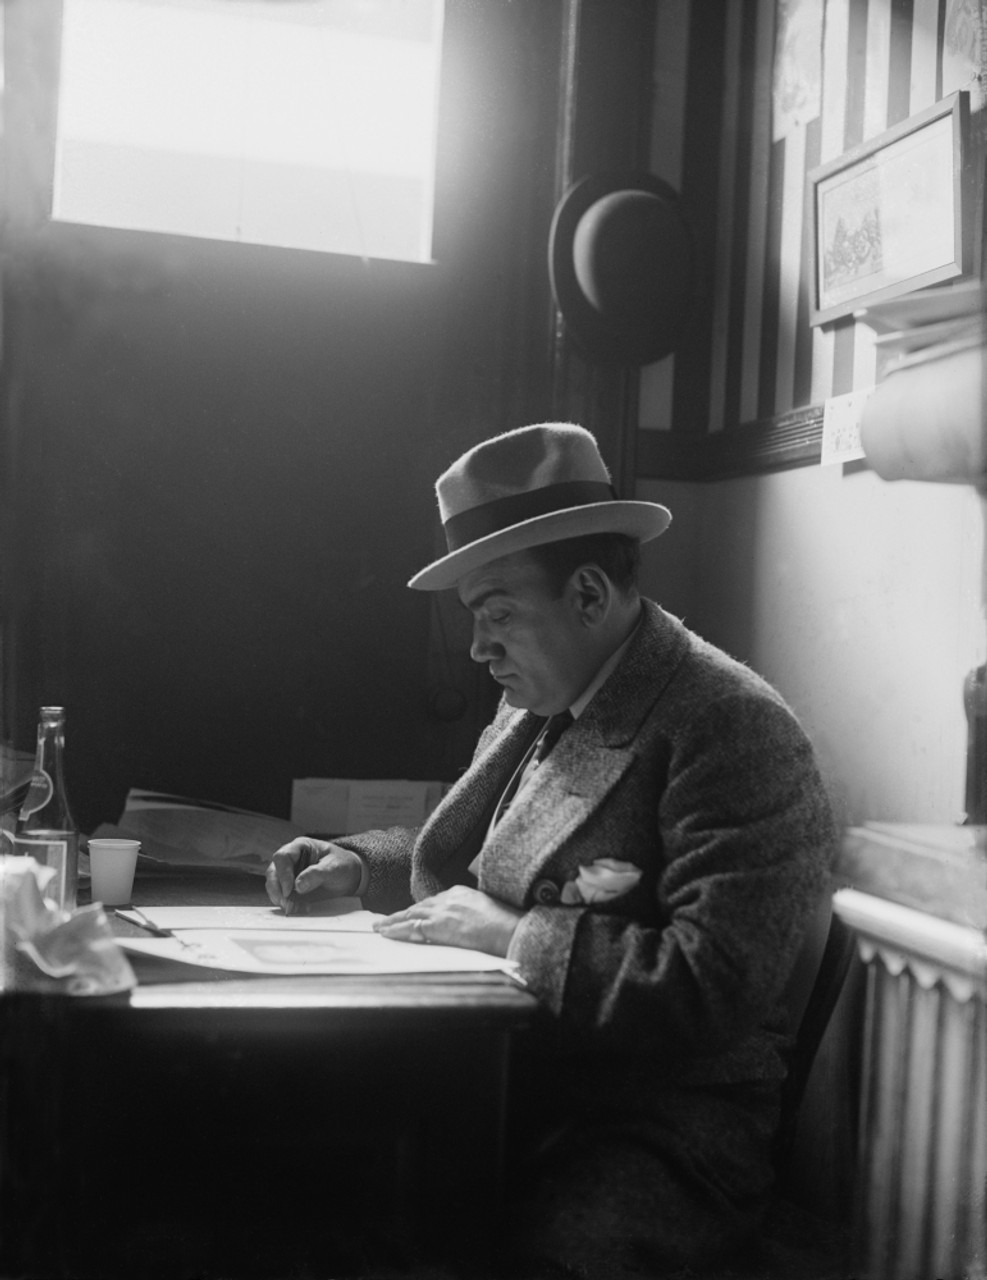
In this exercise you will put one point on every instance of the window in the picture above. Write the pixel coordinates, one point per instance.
(308, 124)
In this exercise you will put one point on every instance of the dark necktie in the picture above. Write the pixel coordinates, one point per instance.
(556, 726)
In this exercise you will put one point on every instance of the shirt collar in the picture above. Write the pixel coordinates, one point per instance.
(582, 702)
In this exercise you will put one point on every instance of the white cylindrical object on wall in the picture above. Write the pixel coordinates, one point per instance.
(926, 420)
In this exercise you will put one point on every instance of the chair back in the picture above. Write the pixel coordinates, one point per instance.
(813, 990)
(800, 986)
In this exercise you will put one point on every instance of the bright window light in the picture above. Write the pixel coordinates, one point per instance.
(308, 124)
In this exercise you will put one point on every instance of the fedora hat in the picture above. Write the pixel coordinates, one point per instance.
(524, 488)
(622, 265)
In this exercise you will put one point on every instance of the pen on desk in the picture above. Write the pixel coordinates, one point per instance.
(127, 913)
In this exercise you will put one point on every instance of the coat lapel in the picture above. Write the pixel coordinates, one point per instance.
(567, 789)
(458, 824)
(588, 762)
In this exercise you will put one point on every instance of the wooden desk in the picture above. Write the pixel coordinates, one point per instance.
(238, 1126)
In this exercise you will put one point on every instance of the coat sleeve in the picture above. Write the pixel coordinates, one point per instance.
(387, 855)
(742, 851)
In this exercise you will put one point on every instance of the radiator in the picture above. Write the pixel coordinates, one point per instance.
(920, 1203)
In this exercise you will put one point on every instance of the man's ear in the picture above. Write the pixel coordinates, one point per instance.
(592, 592)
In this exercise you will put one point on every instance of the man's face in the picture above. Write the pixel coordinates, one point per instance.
(534, 642)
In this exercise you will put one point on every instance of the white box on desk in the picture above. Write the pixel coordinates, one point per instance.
(344, 806)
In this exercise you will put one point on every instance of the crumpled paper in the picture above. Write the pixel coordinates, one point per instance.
(77, 948)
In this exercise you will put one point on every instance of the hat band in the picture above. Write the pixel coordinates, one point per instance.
(491, 517)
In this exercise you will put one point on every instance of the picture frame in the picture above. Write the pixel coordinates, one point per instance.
(892, 215)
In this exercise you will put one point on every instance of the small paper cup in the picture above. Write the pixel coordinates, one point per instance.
(111, 865)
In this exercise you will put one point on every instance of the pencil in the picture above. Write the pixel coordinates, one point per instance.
(127, 913)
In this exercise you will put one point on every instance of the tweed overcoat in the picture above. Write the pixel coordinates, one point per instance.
(691, 767)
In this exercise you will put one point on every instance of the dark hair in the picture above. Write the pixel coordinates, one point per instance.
(617, 554)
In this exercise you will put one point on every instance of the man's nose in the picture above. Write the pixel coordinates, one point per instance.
(483, 649)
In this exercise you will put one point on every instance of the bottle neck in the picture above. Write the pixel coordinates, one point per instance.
(51, 745)
(46, 804)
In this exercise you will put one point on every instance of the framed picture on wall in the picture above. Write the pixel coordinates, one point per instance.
(892, 214)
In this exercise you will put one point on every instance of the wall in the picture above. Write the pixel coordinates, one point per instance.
(200, 440)
(218, 459)
(751, 353)
(861, 600)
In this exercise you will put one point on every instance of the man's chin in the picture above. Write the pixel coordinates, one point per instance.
(515, 698)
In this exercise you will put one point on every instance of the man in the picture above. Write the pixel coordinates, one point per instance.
(652, 875)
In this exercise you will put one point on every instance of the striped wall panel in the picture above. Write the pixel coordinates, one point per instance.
(752, 356)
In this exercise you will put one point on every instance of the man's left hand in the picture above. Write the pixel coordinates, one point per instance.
(457, 917)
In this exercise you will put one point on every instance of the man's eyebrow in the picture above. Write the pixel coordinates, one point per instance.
(482, 598)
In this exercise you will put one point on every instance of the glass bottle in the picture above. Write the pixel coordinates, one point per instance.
(45, 829)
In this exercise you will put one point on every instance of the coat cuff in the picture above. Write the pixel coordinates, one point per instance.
(364, 884)
(542, 947)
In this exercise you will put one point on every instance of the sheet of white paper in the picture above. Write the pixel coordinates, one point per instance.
(202, 831)
(342, 915)
(269, 951)
(841, 427)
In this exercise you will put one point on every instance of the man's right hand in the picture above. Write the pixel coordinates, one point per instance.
(307, 866)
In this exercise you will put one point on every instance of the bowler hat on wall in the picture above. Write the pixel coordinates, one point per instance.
(622, 264)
